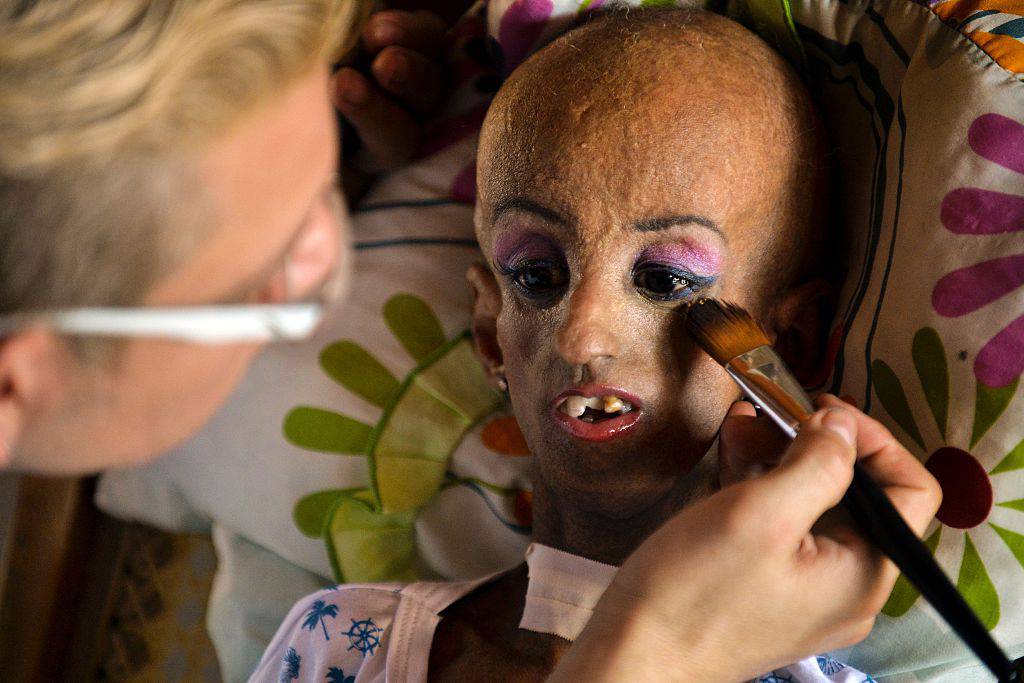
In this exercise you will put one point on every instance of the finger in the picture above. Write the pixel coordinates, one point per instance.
(731, 443)
(412, 78)
(910, 487)
(859, 573)
(815, 471)
(839, 526)
(741, 409)
(421, 30)
(749, 444)
(388, 132)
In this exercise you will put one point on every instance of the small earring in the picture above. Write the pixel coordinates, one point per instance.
(498, 373)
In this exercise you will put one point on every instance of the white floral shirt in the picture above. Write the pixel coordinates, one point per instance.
(382, 633)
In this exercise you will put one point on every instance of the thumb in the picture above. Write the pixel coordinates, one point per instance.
(816, 469)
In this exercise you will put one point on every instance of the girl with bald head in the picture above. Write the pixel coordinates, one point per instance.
(632, 165)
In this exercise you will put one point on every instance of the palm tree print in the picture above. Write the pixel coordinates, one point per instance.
(776, 677)
(829, 666)
(291, 663)
(336, 675)
(316, 615)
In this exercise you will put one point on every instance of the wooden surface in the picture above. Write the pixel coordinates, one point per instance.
(50, 533)
(85, 597)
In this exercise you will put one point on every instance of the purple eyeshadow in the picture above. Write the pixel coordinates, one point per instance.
(514, 248)
(699, 260)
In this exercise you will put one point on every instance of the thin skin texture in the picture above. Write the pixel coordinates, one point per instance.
(619, 124)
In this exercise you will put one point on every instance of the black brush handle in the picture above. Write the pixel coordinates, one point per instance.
(766, 380)
(887, 529)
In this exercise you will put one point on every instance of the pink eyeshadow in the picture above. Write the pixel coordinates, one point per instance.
(699, 259)
(515, 247)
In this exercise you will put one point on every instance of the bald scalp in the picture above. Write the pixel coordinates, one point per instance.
(632, 77)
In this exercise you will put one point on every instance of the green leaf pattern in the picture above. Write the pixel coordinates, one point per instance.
(352, 367)
(976, 586)
(369, 532)
(930, 363)
(905, 594)
(324, 430)
(989, 404)
(890, 392)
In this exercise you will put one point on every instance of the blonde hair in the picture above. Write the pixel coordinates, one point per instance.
(101, 103)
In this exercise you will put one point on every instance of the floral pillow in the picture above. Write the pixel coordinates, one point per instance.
(926, 104)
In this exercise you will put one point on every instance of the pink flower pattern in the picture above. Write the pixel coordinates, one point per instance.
(975, 211)
(521, 28)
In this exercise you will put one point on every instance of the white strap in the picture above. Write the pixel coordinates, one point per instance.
(419, 613)
(563, 590)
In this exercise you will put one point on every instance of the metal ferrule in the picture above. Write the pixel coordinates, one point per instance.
(768, 382)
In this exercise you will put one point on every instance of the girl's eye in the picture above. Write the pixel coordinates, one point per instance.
(539, 279)
(663, 283)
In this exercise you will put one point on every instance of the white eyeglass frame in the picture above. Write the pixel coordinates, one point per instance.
(202, 324)
(198, 324)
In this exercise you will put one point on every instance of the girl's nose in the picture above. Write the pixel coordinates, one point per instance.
(589, 332)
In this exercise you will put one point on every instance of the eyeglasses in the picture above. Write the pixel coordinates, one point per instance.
(289, 305)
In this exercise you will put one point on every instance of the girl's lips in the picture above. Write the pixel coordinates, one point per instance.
(604, 430)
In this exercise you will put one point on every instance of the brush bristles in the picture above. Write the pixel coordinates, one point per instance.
(724, 330)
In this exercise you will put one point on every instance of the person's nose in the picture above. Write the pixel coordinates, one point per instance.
(588, 335)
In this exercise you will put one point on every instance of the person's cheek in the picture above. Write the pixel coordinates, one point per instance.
(517, 352)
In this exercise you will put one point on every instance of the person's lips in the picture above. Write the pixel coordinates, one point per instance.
(596, 412)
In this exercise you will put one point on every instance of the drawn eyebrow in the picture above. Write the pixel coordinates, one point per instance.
(665, 222)
(529, 206)
(646, 225)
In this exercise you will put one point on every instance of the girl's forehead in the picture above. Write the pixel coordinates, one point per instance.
(613, 170)
(609, 175)
(695, 148)
(610, 185)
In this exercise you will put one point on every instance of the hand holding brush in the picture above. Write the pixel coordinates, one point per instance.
(731, 336)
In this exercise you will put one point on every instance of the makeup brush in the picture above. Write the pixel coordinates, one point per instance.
(733, 338)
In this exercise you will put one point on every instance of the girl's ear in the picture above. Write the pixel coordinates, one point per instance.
(801, 326)
(486, 308)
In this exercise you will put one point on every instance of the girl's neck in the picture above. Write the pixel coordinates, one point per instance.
(607, 538)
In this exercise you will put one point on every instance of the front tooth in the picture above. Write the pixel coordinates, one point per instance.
(574, 406)
(613, 404)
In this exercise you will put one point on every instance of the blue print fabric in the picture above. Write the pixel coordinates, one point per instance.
(332, 636)
(820, 669)
(370, 633)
